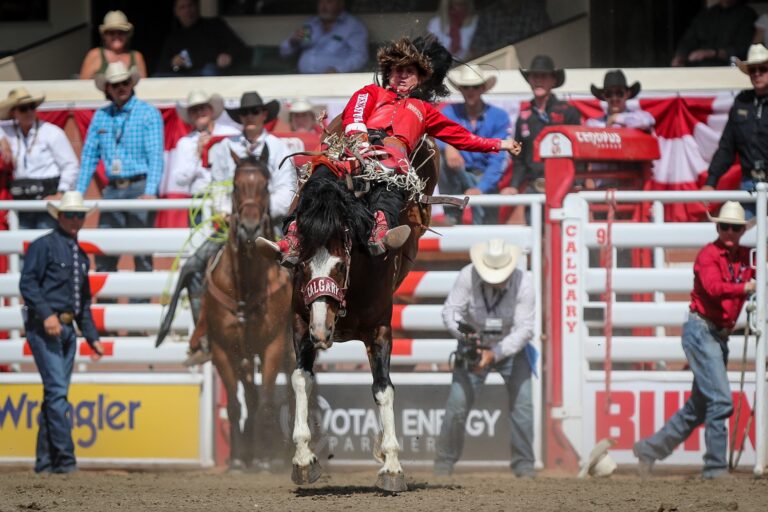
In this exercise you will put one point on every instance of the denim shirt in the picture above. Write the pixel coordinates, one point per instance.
(47, 281)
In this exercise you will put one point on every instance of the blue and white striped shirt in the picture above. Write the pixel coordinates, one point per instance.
(133, 135)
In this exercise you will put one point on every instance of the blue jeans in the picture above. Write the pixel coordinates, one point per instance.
(37, 220)
(132, 219)
(516, 372)
(710, 402)
(54, 358)
(455, 182)
(750, 209)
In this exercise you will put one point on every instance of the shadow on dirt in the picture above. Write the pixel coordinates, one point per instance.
(351, 490)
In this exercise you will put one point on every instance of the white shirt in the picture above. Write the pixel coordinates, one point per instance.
(465, 35)
(283, 181)
(639, 119)
(184, 171)
(44, 153)
(516, 309)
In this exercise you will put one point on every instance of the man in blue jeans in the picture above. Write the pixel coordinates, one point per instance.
(56, 292)
(496, 301)
(722, 281)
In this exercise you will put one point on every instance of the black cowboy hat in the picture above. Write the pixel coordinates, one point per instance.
(615, 78)
(544, 64)
(251, 100)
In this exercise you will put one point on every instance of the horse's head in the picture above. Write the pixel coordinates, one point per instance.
(250, 198)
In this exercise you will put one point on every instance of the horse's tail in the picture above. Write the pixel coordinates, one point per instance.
(165, 325)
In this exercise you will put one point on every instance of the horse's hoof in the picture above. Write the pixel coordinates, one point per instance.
(197, 357)
(391, 482)
(236, 466)
(306, 474)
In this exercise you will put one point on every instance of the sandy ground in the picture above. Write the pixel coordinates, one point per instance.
(345, 489)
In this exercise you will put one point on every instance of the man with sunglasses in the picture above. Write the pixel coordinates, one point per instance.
(723, 278)
(57, 294)
(616, 92)
(746, 132)
(127, 135)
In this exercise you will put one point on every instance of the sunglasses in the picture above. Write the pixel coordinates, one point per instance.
(730, 227)
(757, 70)
(198, 109)
(614, 93)
(471, 87)
(74, 215)
(25, 108)
(124, 83)
(251, 111)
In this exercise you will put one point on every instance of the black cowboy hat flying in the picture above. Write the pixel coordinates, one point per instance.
(544, 64)
(615, 78)
(253, 100)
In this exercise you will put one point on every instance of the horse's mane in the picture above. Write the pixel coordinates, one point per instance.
(259, 163)
(326, 208)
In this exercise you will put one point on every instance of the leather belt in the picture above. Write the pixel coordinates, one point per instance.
(721, 332)
(125, 182)
(67, 317)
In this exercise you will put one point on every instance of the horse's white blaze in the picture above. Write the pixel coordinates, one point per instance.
(321, 265)
(389, 446)
(302, 387)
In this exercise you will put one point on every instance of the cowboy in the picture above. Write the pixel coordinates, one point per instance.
(615, 92)
(545, 110)
(56, 291)
(723, 278)
(495, 302)
(253, 114)
(301, 116)
(44, 164)
(127, 135)
(395, 117)
(466, 172)
(745, 132)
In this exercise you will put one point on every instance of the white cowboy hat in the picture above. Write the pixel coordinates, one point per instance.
(494, 260)
(196, 98)
(115, 73)
(757, 54)
(116, 20)
(730, 213)
(300, 106)
(18, 96)
(71, 201)
(469, 75)
(600, 463)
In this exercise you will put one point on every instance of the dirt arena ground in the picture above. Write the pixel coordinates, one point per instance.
(345, 489)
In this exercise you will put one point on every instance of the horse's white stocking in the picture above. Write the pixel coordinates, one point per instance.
(389, 445)
(302, 387)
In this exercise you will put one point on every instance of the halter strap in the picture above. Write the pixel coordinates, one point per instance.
(323, 287)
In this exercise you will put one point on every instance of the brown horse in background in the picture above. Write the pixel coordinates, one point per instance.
(246, 312)
(342, 293)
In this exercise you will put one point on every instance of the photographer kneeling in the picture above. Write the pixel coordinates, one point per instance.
(491, 311)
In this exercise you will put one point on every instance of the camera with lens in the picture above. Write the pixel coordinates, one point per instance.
(467, 354)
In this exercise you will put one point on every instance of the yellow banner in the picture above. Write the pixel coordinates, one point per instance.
(135, 421)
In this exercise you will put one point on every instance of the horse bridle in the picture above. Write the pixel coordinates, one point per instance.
(326, 286)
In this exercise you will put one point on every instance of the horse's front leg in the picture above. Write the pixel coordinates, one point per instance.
(306, 468)
(391, 477)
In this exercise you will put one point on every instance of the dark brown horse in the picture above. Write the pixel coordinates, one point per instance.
(246, 312)
(341, 293)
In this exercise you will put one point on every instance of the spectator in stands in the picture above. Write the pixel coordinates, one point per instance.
(545, 110)
(334, 41)
(744, 133)
(466, 172)
(454, 26)
(496, 302)
(723, 279)
(44, 164)
(301, 115)
(116, 34)
(54, 285)
(506, 22)
(199, 46)
(127, 135)
(253, 114)
(761, 30)
(615, 92)
(717, 34)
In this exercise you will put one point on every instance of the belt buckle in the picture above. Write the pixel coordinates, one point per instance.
(538, 185)
(66, 318)
(122, 183)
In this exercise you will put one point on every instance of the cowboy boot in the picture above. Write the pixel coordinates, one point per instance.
(383, 238)
(287, 248)
(199, 351)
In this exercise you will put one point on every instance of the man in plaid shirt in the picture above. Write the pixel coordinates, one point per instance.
(127, 136)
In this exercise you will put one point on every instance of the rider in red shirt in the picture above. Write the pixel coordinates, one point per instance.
(396, 116)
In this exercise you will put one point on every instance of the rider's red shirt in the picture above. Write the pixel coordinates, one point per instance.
(408, 119)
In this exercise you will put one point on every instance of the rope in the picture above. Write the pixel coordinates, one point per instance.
(610, 199)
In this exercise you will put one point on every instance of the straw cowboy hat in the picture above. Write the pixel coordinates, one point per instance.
(730, 213)
(115, 20)
(196, 98)
(115, 73)
(251, 100)
(17, 97)
(470, 75)
(615, 78)
(600, 462)
(544, 64)
(494, 260)
(300, 106)
(71, 201)
(757, 54)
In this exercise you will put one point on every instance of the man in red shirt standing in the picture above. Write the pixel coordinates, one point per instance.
(723, 278)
